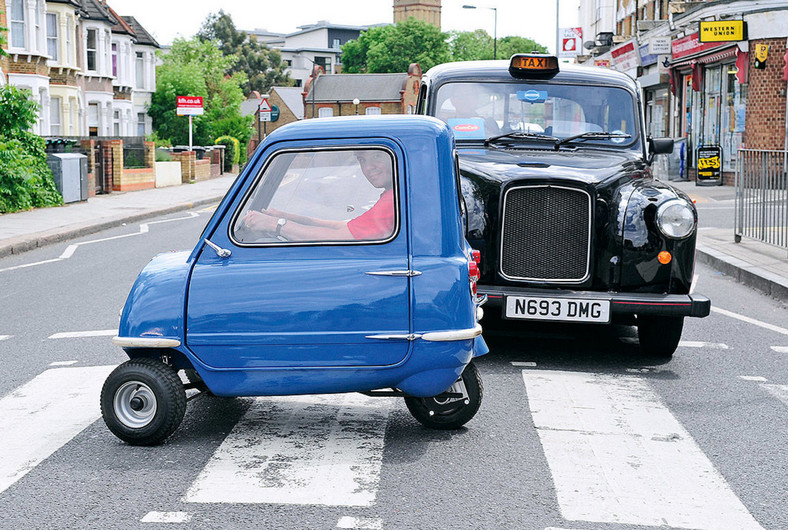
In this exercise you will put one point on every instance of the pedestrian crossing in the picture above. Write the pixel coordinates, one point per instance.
(616, 453)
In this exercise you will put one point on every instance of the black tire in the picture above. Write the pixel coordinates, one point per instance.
(659, 336)
(423, 409)
(143, 401)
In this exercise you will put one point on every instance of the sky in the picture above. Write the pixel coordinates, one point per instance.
(167, 19)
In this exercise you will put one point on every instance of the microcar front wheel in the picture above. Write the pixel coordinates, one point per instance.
(455, 407)
(143, 401)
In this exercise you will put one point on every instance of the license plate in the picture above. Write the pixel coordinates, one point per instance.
(559, 309)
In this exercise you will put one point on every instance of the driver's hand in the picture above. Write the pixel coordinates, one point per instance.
(260, 221)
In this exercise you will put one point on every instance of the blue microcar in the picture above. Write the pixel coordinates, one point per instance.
(335, 263)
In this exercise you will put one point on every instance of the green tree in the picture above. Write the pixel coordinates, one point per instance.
(508, 46)
(262, 65)
(198, 68)
(470, 45)
(393, 48)
(25, 179)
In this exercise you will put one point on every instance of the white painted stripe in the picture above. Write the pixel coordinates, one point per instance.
(752, 378)
(360, 523)
(749, 320)
(523, 364)
(26, 265)
(166, 517)
(696, 344)
(5, 337)
(83, 334)
(617, 455)
(694, 283)
(324, 450)
(44, 414)
(780, 349)
(62, 363)
(778, 391)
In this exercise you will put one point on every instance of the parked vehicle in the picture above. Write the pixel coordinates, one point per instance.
(335, 263)
(561, 203)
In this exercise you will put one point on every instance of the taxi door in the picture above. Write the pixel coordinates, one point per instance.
(318, 269)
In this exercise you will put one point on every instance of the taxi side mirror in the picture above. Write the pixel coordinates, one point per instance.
(659, 146)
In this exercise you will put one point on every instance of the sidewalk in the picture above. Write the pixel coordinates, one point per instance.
(752, 263)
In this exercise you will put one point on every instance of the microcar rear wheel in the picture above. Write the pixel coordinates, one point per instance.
(447, 412)
(659, 336)
(143, 401)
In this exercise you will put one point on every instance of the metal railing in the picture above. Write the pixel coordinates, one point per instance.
(761, 211)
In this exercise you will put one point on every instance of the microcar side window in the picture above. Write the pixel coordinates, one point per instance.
(321, 196)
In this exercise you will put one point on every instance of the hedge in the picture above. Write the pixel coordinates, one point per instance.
(232, 151)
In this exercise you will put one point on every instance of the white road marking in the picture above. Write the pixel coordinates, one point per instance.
(617, 455)
(523, 364)
(694, 283)
(166, 517)
(778, 349)
(778, 391)
(5, 337)
(696, 344)
(749, 320)
(752, 378)
(318, 450)
(63, 363)
(84, 334)
(144, 229)
(45, 414)
(360, 523)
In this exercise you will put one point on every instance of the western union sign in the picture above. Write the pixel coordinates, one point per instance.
(723, 31)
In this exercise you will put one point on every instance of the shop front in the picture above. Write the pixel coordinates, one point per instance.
(709, 81)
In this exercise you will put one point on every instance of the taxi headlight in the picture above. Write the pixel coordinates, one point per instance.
(676, 219)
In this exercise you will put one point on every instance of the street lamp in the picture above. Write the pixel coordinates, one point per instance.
(356, 101)
(315, 75)
(495, 27)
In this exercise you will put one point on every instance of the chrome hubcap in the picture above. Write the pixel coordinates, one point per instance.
(135, 404)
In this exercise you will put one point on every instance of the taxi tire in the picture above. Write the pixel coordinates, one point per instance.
(458, 417)
(659, 336)
(163, 388)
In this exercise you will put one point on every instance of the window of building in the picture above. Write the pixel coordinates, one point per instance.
(325, 62)
(733, 112)
(116, 123)
(52, 30)
(140, 70)
(372, 111)
(93, 119)
(69, 32)
(336, 44)
(140, 124)
(56, 116)
(92, 43)
(39, 30)
(18, 25)
(325, 112)
(115, 59)
(337, 195)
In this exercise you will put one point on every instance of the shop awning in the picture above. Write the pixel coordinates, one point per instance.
(705, 59)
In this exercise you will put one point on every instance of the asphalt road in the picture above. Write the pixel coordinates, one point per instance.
(577, 430)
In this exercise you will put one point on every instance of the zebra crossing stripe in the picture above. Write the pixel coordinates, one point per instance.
(317, 450)
(4, 337)
(618, 455)
(44, 414)
(778, 391)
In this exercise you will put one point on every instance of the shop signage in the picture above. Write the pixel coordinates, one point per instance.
(659, 46)
(761, 54)
(571, 42)
(604, 63)
(646, 58)
(624, 57)
(723, 31)
(690, 45)
(709, 165)
(188, 106)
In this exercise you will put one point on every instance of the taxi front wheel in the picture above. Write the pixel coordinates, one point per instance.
(659, 336)
(455, 407)
(143, 401)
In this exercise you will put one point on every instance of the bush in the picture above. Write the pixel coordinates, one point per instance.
(163, 156)
(232, 151)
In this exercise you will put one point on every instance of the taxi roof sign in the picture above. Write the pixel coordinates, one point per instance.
(533, 64)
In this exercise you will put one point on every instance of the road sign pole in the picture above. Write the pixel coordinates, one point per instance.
(190, 132)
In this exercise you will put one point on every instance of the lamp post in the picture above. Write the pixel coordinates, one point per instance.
(495, 26)
(314, 81)
(356, 102)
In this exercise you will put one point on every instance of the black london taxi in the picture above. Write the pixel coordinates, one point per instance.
(560, 200)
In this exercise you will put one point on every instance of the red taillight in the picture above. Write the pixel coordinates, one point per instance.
(477, 256)
(473, 276)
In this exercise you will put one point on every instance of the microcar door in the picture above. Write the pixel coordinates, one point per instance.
(318, 273)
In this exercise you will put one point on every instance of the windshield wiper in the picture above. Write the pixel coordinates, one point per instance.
(520, 134)
(591, 136)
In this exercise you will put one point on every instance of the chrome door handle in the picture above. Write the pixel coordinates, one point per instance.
(408, 273)
(221, 252)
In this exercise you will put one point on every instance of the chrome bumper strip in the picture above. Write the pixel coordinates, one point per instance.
(145, 342)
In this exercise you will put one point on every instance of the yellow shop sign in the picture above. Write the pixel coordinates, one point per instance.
(723, 31)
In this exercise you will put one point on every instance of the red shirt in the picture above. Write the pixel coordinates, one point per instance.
(377, 222)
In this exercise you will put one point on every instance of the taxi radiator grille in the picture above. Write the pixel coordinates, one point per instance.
(545, 234)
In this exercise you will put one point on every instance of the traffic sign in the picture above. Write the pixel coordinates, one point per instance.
(264, 106)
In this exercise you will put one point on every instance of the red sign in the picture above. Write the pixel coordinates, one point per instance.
(624, 57)
(690, 45)
(189, 102)
(265, 106)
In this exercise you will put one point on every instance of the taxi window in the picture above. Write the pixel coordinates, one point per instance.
(480, 110)
(337, 195)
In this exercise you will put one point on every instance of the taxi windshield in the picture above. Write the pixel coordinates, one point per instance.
(540, 111)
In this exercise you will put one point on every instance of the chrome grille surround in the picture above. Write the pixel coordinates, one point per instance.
(546, 234)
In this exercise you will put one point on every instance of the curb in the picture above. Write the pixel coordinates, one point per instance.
(744, 273)
(22, 244)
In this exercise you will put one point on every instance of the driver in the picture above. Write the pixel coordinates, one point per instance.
(375, 223)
